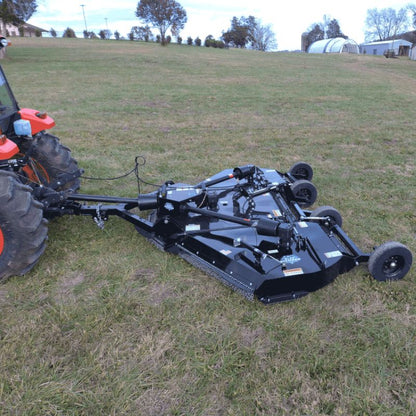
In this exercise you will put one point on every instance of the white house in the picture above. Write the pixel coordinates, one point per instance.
(28, 30)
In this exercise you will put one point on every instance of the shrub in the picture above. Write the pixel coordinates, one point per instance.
(209, 41)
(189, 41)
(197, 41)
(69, 33)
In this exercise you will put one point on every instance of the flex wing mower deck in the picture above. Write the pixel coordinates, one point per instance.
(248, 226)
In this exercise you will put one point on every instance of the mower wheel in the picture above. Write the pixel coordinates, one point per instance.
(49, 160)
(328, 211)
(304, 192)
(301, 170)
(23, 230)
(390, 261)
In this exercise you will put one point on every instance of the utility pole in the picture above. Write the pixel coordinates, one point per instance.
(85, 20)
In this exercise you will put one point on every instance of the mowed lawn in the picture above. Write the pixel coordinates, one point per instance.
(106, 324)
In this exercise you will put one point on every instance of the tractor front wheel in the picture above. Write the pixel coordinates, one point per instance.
(48, 160)
(23, 230)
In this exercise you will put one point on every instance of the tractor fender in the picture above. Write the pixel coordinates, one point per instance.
(8, 148)
(38, 121)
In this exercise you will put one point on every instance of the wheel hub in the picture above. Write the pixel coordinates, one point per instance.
(392, 265)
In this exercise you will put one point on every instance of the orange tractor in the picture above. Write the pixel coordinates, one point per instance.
(29, 157)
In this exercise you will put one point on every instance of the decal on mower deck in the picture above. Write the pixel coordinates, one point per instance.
(293, 272)
(192, 227)
(333, 254)
(290, 259)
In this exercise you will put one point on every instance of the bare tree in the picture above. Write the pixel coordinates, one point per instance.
(412, 9)
(142, 33)
(263, 37)
(385, 23)
(163, 15)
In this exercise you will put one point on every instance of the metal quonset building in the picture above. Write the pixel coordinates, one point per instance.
(334, 45)
(401, 47)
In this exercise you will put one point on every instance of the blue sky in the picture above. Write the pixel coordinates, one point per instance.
(210, 17)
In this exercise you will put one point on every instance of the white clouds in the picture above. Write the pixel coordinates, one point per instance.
(211, 17)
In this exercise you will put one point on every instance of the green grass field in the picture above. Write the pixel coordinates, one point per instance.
(108, 325)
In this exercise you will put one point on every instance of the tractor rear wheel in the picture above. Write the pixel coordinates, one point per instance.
(23, 230)
(48, 160)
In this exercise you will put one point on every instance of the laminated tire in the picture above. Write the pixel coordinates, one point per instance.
(390, 261)
(329, 212)
(304, 192)
(23, 230)
(301, 170)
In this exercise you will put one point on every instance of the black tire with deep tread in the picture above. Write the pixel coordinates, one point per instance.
(328, 211)
(301, 170)
(390, 261)
(55, 159)
(22, 225)
(304, 192)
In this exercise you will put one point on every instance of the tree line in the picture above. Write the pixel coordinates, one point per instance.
(166, 15)
(244, 32)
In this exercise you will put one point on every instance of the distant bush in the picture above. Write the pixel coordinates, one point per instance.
(117, 35)
(38, 33)
(53, 32)
(189, 41)
(210, 42)
(197, 41)
(69, 33)
(179, 40)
